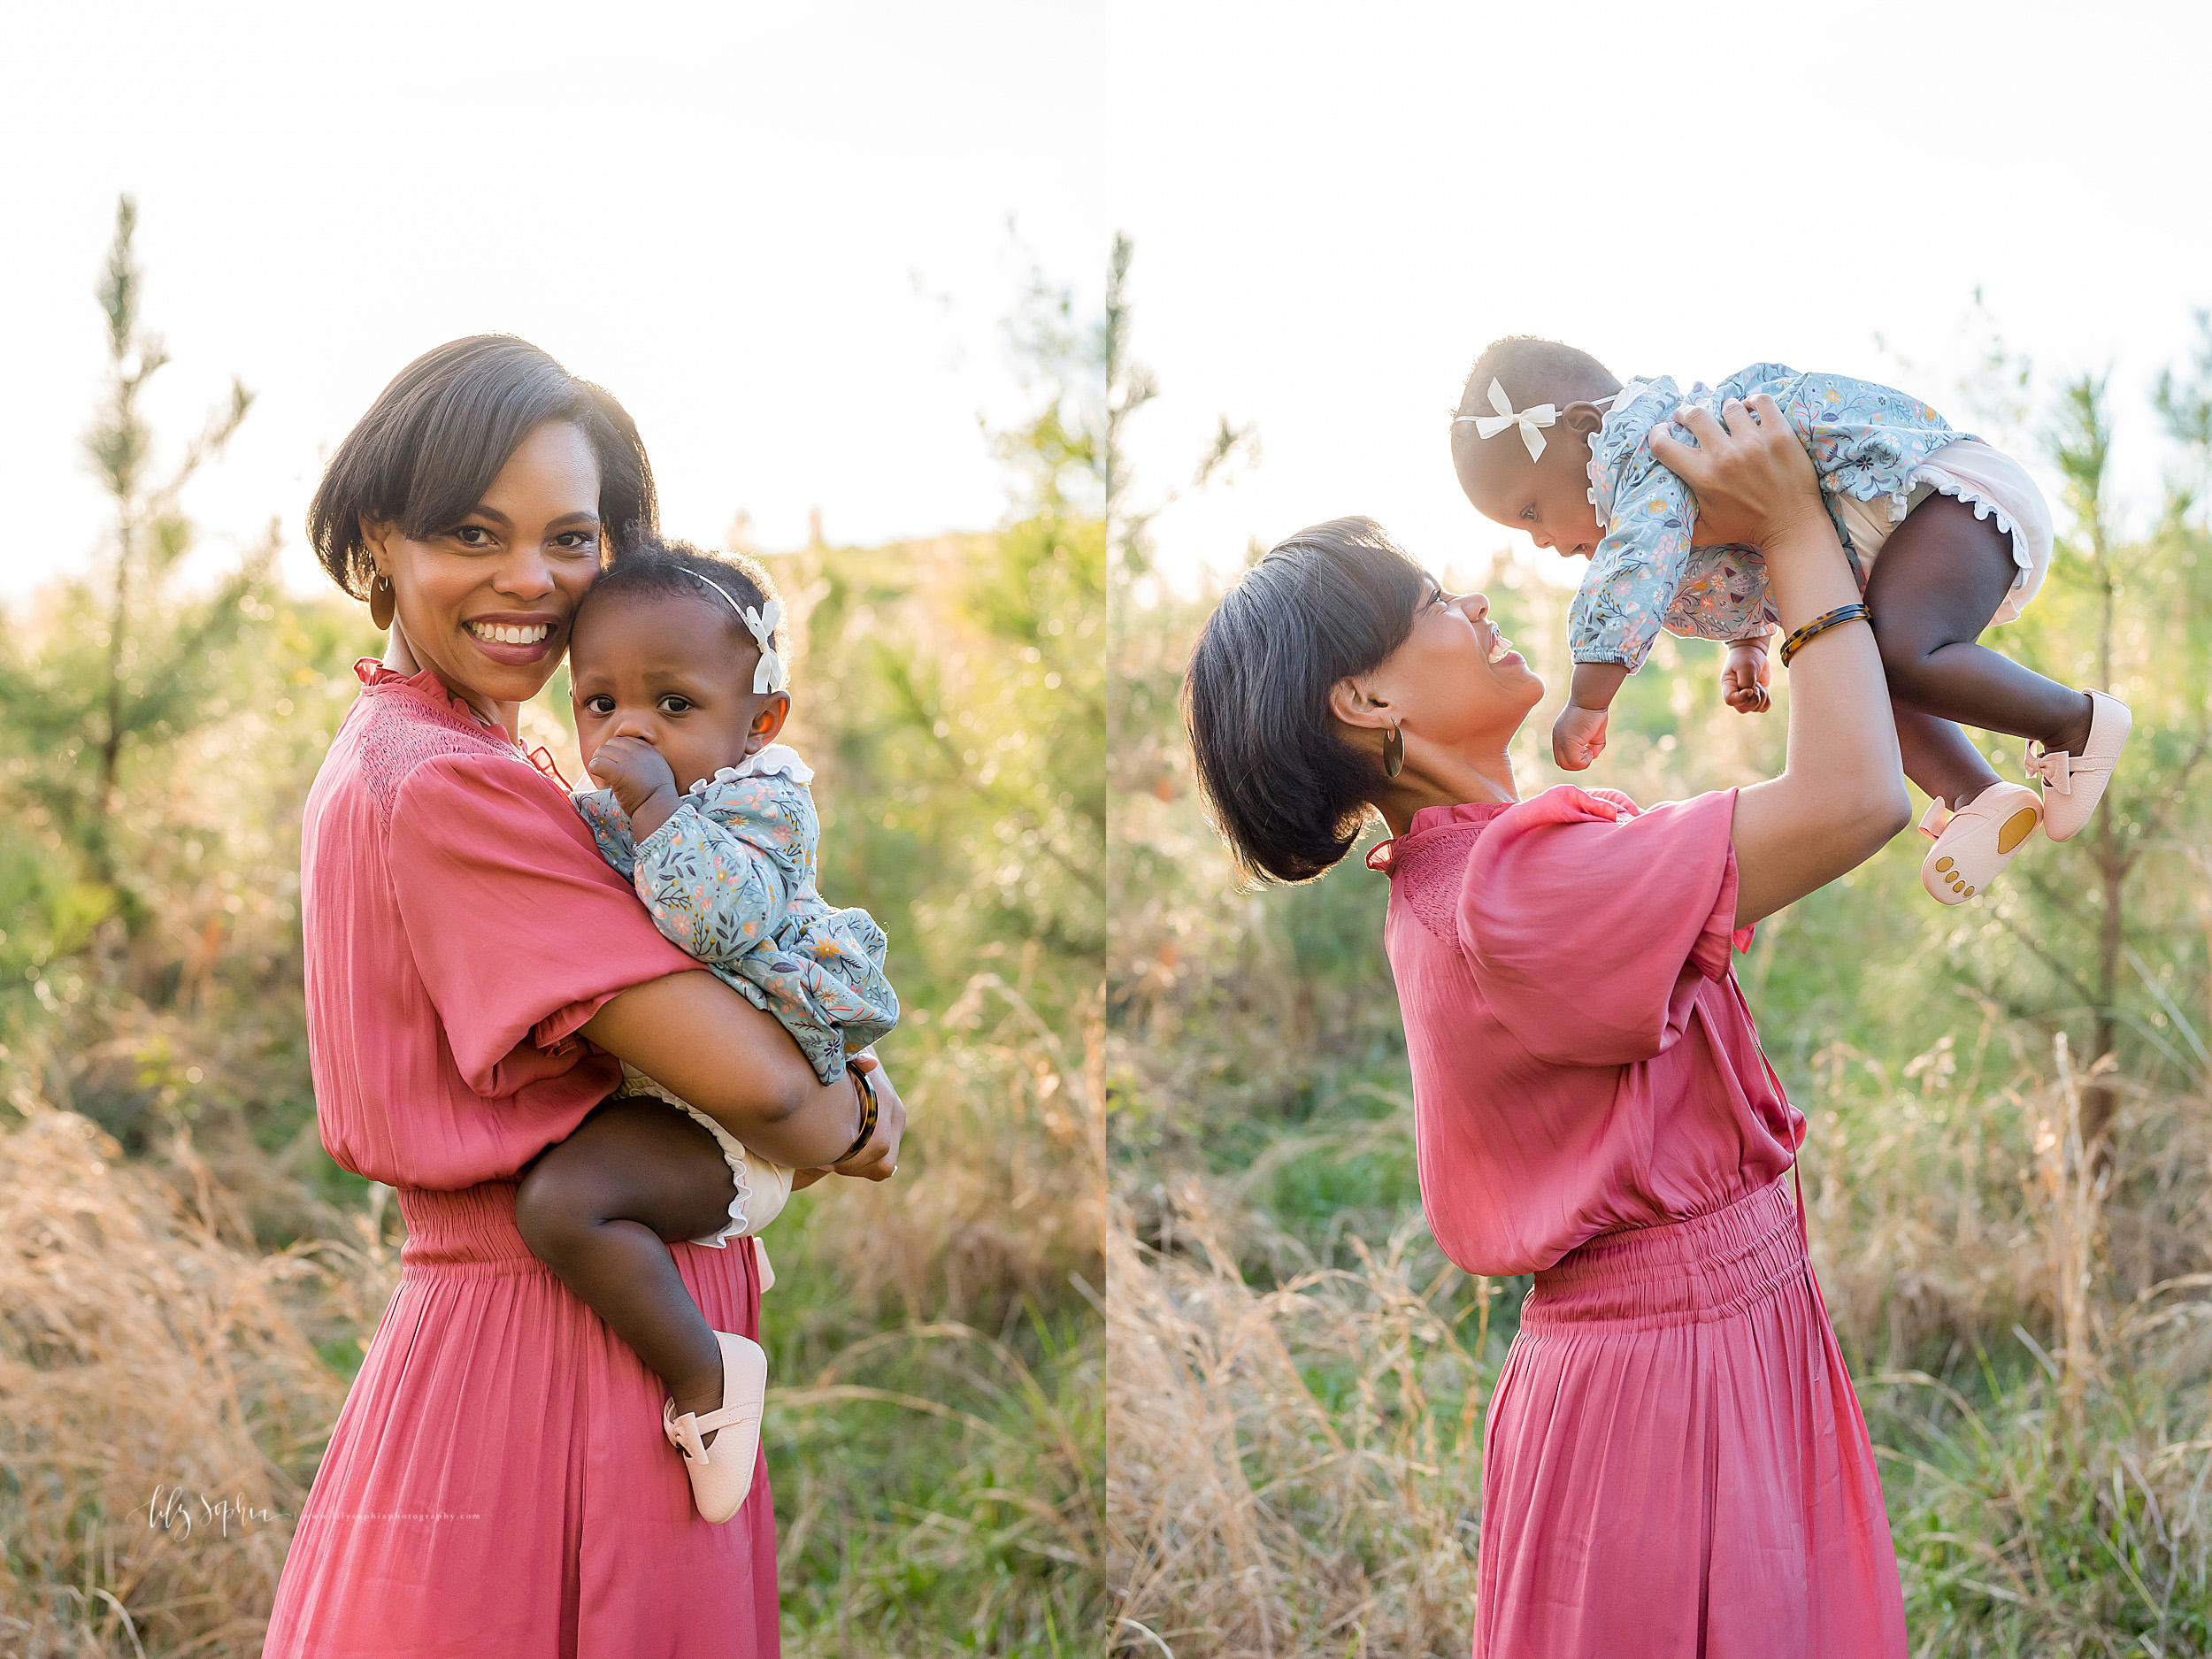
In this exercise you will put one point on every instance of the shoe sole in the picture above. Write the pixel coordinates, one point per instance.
(1947, 884)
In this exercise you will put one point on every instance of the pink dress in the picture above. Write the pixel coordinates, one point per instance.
(497, 1482)
(1674, 1461)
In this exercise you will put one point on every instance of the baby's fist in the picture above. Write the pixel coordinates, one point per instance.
(1578, 738)
(1744, 681)
(633, 769)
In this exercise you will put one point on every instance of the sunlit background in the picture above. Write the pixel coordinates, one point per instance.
(1335, 211)
(780, 236)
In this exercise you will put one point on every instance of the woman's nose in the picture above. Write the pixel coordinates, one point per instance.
(1474, 607)
(525, 575)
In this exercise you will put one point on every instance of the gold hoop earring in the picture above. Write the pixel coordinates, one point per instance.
(383, 601)
(1394, 751)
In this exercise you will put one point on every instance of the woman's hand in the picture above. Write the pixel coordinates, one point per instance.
(1744, 681)
(1753, 480)
(878, 1160)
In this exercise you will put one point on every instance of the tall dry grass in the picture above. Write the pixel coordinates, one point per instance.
(1294, 1467)
(162, 1402)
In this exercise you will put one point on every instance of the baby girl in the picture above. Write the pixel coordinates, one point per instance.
(1946, 535)
(680, 693)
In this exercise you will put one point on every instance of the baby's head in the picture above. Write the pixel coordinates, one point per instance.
(663, 650)
(1546, 494)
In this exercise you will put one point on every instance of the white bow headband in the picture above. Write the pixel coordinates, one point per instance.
(769, 674)
(1528, 419)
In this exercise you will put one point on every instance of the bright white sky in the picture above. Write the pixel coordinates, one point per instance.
(780, 234)
(1332, 217)
(777, 234)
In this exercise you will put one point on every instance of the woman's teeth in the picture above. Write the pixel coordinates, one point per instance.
(1499, 646)
(499, 634)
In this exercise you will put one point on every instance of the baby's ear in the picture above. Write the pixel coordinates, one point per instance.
(768, 721)
(1585, 417)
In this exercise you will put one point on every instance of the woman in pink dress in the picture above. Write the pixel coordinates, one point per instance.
(1674, 1462)
(498, 1481)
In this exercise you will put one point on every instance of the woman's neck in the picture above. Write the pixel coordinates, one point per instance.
(1451, 779)
(401, 659)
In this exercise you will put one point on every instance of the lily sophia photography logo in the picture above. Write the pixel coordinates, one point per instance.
(173, 1509)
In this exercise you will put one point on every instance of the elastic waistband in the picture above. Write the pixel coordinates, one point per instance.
(1686, 1272)
(470, 1231)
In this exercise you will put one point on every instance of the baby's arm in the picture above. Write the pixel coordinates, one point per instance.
(640, 781)
(1617, 614)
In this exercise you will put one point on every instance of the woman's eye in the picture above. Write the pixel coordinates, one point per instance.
(577, 540)
(472, 535)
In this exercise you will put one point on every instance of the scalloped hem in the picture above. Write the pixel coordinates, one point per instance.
(1994, 485)
(753, 1205)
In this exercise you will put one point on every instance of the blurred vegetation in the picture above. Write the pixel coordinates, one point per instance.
(2009, 1169)
(187, 1282)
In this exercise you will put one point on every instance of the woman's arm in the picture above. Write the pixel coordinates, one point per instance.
(1842, 793)
(698, 1038)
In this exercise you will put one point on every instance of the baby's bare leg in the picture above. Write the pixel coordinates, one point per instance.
(1941, 757)
(599, 1207)
(1940, 577)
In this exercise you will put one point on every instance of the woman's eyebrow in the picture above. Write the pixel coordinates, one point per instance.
(591, 518)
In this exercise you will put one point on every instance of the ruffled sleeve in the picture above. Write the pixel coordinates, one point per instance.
(1588, 924)
(519, 931)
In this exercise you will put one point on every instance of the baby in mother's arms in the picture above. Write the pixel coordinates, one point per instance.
(678, 679)
(1946, 534)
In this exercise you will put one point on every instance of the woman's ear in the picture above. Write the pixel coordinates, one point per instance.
(1352, 701)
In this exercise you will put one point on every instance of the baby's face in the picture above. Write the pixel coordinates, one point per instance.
(666, 670)
(1549, 497)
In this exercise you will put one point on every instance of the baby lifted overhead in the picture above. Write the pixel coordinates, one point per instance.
(1946, 535)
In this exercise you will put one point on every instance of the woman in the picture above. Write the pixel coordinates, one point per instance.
(497, 1482)
(1674, 1462)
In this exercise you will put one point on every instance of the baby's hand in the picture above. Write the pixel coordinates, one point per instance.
(640, 779)
(1743, 682)
(1578, 737)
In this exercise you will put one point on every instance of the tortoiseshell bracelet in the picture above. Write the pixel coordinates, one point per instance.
(866, 1085)
(1820, 624)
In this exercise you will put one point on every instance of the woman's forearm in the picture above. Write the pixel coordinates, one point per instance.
(1842, 793)
(700, 1040)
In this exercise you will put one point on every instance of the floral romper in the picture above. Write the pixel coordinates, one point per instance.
(1867, 443)
(729, 878)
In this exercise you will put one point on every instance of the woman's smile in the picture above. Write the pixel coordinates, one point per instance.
(516, 639)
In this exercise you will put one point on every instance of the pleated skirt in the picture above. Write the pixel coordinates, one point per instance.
(498, 1482)
(1674, 1462)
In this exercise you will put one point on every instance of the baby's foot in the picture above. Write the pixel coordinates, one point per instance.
(2074, 779)
(1976, 841)
(722, 1446)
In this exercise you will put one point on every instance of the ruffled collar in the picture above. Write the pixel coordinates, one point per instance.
(1561, 803)
(374, 676)
(777, 760)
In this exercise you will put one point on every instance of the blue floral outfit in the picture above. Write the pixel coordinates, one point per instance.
(729, 878)
(1868, 443)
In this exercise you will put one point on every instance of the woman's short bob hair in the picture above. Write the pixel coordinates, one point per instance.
(436, 437)
(1287, 793)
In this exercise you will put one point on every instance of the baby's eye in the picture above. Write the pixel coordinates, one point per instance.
(601, 706)
(674, 704)
(1528, 513)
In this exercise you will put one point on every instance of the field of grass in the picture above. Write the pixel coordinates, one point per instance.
(187, 1282)
(1295, 1402)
